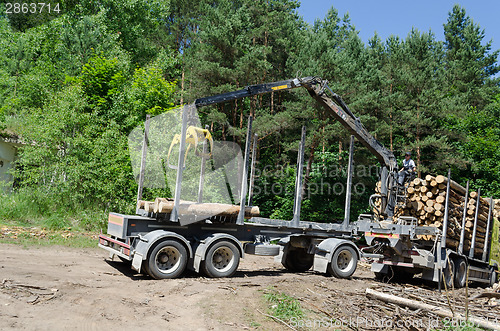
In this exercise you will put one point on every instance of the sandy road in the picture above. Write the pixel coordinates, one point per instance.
(55, 288)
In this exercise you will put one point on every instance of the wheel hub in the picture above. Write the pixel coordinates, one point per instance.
(163, 258)
(223, 258)
(168, 259)
(344, 260)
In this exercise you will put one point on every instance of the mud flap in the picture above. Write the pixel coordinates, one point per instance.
(321, 260)
(279, 258)
(137, 262)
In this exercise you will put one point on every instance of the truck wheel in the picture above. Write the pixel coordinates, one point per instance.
(460, 277)
(448, 272)
(222, 260)
(145, 268)
(344, 262)
(493, 277)
(298, 260)
(168, 259)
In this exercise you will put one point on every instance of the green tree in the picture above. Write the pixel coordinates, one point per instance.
(482, 147)
(419, 78)
(470, 63)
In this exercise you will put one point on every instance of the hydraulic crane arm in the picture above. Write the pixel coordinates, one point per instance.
(333, 104)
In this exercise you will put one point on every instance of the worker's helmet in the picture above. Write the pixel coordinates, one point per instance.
(408, 153)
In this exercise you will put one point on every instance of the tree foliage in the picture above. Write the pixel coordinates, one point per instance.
(75, 84)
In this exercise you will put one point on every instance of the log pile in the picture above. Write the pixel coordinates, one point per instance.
(426, 199)
(496, 208)
(165, 206)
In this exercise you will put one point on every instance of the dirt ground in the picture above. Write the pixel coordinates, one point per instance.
(55, 288)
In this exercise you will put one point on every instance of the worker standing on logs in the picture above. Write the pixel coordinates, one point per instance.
(407, 170)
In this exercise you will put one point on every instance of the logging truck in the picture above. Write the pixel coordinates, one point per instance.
(166, 236)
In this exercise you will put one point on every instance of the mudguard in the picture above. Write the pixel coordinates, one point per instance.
(145, 242)
(201, 247)
(325, 250)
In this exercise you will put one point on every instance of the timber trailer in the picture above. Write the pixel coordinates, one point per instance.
(165, 245)
(404, 250)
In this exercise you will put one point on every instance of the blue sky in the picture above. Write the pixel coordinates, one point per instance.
(397, 17)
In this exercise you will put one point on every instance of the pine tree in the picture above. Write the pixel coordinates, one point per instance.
(418, 80)
(470, 63)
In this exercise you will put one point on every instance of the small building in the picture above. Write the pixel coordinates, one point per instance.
(9, 143)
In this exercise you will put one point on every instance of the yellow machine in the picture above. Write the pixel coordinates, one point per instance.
(194, 136)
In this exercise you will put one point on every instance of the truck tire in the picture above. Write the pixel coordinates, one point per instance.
(460, 277)
(493, 277)
(297, 259)
(145, 268)
(448, 273)
(168, 259)
(344, 262)
(221, 260)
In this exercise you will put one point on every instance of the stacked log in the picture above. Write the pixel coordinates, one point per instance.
(165, 205)
(496, 208)
(426, 199)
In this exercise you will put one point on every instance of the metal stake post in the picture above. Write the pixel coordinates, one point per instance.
(244, 177)
(473, 242)
(442, 247)
(174, 216)
(446, 211)
(252, 169)
(464, 216)
(488, 227)
(384, 174)
(298, 180)
(145, 141)
(202, 169)
(347, 212)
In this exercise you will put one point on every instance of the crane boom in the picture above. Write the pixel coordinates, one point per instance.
(333, 104)
(336, 107)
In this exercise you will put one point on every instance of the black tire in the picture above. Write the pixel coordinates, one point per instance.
(344, 262)
(297, 259)
(460, 277)
(448, 274)
(168, 259)
(145, 268)
(493, 277)
(221, 260)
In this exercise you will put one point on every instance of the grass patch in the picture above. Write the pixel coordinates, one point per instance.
(36, 209)
(282, 305)
(462, 326)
